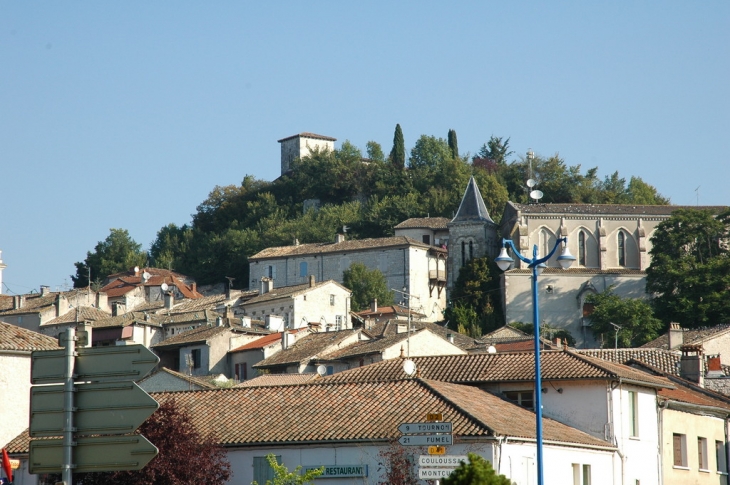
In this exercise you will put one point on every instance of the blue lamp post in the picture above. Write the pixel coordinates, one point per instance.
(537, 264)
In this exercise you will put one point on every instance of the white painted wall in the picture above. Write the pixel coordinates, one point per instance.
(15, 392)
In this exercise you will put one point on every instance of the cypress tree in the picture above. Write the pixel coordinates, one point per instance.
(398, 153)
(453, 144)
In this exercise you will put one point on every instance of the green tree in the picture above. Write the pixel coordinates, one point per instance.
(366, 285)
(184, 455)
(118, 252)
(690, 268)
(375, 152)
(170, 246)
(398, 153)
(492, 156)
(634, 316)
(476, 295)
(453, 144)
(284, 477)
(477, 472)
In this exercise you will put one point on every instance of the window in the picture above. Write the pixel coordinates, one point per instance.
(679, 450)
(720, 456)
(262, 471)
(582, 248)
(471, 250)
(621, 249)
(332, 300)
(338, 321)
(702, 460)
(463, 254)
(426, 238)
(581, 474)
(303, 270)
(521, 398)
(330, 370)
(241, 372)
(633, 414)
(196, 358)
(271, 272)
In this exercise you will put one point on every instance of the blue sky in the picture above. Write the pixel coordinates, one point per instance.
(127, 114)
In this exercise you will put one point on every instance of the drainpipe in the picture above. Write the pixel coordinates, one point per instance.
(612, 387)
(661, 406)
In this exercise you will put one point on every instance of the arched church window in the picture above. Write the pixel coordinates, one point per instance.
(471, 250)
(621, 249)
(582, 248)
(544, 241)
(463, 253)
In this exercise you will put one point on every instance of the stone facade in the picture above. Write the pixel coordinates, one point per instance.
(301, 145)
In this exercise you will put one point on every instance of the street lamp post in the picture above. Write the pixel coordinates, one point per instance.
(504, 261)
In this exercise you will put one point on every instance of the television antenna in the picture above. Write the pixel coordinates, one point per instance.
(617, 328)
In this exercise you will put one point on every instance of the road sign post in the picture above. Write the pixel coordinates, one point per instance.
(97, 396)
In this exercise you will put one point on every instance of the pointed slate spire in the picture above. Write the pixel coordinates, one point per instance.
(472, 206)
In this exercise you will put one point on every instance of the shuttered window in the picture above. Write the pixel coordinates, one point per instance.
(680, 449)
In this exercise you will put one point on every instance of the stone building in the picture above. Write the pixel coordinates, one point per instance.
(301, 145)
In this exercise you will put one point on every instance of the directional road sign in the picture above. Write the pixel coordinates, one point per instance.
(100, 408)
(425, 439)
(442, 461)
(414, 428)
(93, 454)
(123, 362)
(434, 473)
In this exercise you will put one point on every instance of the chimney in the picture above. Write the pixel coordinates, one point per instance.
(230, 315)
(311, 281)
(17, 302)
(401, 327)
(714, 366)
(690, 364)
(267, 284)
(374, 305)
(61, 304)
(339, 238)
(169, 300)
(557, 342)
(676, 336)
(45, 290)
(219, 321)
(284, 340)
(246, 321)
(194, 287)
(450, 337)
(102, 301)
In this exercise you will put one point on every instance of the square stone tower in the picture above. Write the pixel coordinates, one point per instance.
(301, 145)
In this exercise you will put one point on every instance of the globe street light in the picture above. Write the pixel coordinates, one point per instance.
(504, 261)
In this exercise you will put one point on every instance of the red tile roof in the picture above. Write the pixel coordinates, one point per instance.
(16, 339)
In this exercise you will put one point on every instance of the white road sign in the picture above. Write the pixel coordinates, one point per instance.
(412, 428)
(442, 460)
(425, 439)
(434, 473)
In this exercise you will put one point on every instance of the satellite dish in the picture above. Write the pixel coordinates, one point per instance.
(531, 183)
(536, 194)
(136, 269)
(409, 367)
(164, 287)
(492, 349)
(146, 275)
(321, 370)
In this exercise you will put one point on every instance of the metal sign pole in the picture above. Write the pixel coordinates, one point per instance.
(69, 341)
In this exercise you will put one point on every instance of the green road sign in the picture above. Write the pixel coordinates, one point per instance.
(93, 454)
(100, 408)
(123, 362)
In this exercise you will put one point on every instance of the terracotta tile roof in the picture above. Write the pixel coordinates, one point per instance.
(122, 283)
(121, 286)
(192, 317)
(608, 209)
(149, 306)
(16, 338)
(128, 318)
(371, 411)
(392, 311)
(79, 314)
(197, 380)
(506, 367)
(665, 361)
(312, 346)
(424, 223)
(353, 412)
(35, 303)
(19, 444)
(152, 271)
(690, 336)
(504, 331)
(308, 135)
(367, 347)
(6, 303)
(262, 342)
(345, 246)
(290, 292)
(279, 380)
(197, 335)
(691, 396)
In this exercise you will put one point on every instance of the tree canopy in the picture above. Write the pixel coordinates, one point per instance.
(366, 285)
(282, 475)
(634, 318)
(690, 268)
(477, 472)
(117, 253)
(474, 308)
(184, 455)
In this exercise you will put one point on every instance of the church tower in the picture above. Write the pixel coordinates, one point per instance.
(472, 233)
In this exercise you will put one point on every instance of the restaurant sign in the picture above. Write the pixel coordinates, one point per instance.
(340, 471)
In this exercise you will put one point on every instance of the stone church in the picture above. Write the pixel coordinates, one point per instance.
(611, 244)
